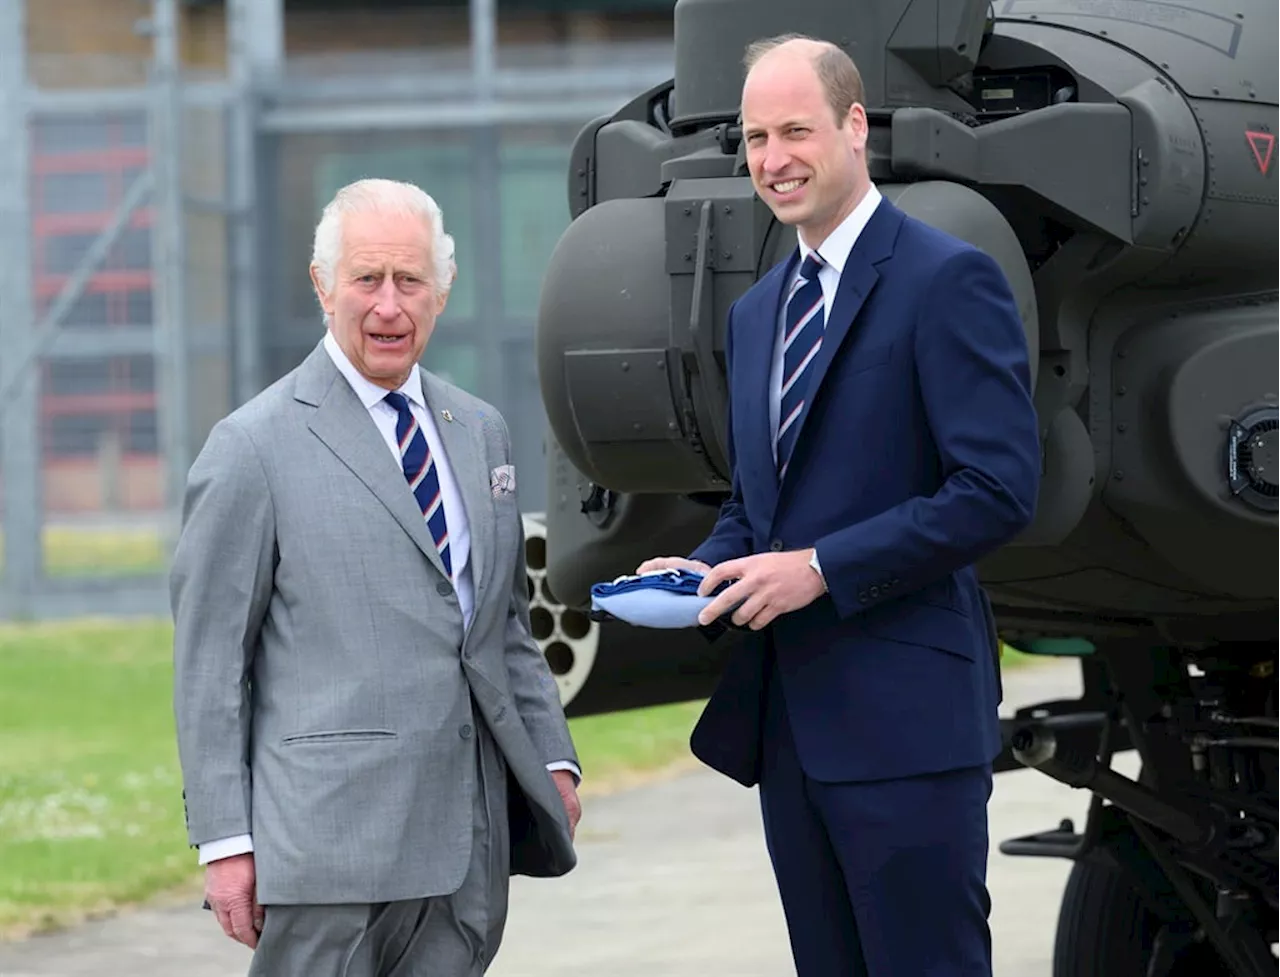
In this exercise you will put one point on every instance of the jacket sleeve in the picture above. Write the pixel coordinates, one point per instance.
(220, 585)
(731, 537)
(971, 359)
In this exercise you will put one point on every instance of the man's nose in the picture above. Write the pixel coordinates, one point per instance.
(387, 301)
(776, 157)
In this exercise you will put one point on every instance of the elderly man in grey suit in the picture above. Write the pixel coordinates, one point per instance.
(371, 742)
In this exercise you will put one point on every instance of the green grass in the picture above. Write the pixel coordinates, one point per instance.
(619, 748)
(90, 797)
(90, 793)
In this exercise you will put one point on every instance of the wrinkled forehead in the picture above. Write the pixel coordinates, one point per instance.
(386, 238)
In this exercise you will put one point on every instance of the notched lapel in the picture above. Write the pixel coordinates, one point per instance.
(755, 345)
(859, 277)
(856, 282)
(344, 425)
(463, 438)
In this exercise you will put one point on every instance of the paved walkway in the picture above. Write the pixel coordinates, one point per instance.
(673, 881)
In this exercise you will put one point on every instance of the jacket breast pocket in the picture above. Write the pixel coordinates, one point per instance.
(869, 358)
(339, 736)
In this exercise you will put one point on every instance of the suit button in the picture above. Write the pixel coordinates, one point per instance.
(465, 732)
(776, 546)
(875, 591)
(862, 597)
(443, 588)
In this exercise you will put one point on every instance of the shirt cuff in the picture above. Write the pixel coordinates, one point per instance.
(211, 851)
(569, 765)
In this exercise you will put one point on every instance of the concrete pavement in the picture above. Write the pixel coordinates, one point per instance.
(673, 880)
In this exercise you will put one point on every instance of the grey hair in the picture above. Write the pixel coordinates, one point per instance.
(388, 197)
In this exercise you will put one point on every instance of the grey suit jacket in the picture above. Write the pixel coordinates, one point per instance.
(323, 677)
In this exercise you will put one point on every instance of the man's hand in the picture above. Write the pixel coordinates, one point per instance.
(569, 796)
(230, 885)
(768, 584)
(673, 563)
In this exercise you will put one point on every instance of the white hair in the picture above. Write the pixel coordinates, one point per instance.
(386, 197)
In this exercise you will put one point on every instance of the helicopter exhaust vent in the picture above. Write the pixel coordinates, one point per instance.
(1253, 458)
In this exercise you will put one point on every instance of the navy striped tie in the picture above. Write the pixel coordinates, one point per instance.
(420, 473)
(805, 322)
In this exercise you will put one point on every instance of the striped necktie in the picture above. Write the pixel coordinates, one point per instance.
(805, 321)
(420, 473)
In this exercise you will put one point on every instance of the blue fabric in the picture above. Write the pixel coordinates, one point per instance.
(420, 472)
(659, 599)
(888, 854)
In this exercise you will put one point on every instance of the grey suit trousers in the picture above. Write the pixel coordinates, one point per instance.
(446, 936)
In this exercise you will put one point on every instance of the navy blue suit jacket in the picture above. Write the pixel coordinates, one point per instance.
(918, 454)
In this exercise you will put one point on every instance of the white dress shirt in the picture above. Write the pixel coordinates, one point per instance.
(385, 417)
(834, 251)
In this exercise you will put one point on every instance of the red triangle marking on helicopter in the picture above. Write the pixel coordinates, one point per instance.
(1257, 140)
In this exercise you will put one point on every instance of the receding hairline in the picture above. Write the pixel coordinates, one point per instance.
(837, 74)
(813, 46)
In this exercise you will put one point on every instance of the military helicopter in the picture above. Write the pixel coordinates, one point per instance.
(1118, 160)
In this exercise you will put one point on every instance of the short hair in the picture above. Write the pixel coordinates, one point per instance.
(838, 75)
(387, 197)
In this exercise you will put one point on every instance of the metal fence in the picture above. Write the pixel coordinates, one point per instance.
(155, 230)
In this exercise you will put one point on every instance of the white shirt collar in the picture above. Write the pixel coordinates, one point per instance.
(368, 391)
(835, 249)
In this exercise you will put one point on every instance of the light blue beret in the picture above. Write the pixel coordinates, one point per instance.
(657, 599)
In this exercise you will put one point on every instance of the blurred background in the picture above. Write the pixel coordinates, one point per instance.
(162, 166)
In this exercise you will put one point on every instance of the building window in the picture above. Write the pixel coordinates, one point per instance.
(94, 405)
(535, 212)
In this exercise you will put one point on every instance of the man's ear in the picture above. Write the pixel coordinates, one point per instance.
(442, 296)
(856, 120)
(325, 302)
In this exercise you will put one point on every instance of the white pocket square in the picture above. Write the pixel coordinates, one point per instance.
(502, 480)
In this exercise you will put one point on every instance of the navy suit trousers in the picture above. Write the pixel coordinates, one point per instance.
(877, 879)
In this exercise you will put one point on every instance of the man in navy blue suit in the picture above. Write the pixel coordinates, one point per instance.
(883, 440)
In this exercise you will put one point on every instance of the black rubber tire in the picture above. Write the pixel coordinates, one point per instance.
(1105, 930)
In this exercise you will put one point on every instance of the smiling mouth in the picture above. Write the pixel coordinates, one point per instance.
(787, 186)
(385, 338)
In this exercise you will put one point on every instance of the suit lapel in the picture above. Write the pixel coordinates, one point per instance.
(343, 423)
(858, 278)
(755, 345)
(463, 440)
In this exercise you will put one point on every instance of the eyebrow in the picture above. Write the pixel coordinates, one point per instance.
(786, 124)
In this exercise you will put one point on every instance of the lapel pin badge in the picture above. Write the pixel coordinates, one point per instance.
(446, 415)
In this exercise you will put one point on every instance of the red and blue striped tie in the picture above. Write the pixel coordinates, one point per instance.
(420, 473)
(805, 322)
